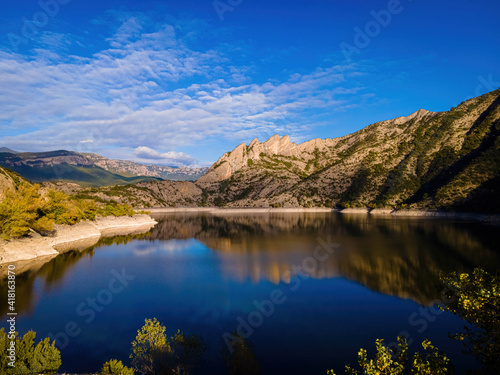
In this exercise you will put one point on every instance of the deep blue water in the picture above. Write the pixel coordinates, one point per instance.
(204, 275)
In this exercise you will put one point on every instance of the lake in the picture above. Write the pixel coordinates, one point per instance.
(308, 289)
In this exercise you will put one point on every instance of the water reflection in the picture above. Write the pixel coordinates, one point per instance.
(44, 277)
(400, 257)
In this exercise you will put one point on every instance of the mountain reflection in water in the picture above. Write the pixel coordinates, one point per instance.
(200, 273)
(400, 257)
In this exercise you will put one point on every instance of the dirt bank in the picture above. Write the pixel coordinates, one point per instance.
(35, 250)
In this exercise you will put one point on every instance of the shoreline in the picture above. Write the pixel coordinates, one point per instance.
(239, 209)
(34, 251)
(376, 212)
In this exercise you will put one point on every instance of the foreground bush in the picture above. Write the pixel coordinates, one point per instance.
(42, 358)
(19, 212)
(115, 367)
(153, 353)
(475, 298)
(394, 361)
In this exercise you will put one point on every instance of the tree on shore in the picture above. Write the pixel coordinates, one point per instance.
(115, 367)
(154, 354)
(475, 298)
(394, 361)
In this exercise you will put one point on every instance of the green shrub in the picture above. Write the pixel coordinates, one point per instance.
(394, 361)
(43, 224)
(26, 208)
(117, 210)
(475, 298)
(154, 353)
(116, 367)
(19, 210)
(42, 358)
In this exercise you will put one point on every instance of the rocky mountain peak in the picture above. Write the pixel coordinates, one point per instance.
(235, 160)
(253, 143)
(277, 146)
(418, 115)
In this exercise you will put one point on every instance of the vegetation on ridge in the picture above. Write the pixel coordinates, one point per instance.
(448, 160)
(29, 207)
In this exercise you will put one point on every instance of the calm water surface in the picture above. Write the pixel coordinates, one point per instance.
(206, 274)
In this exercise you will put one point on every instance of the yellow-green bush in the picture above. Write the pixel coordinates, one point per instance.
(19, 211)
(42, 358)
(27, 208)
(115, 367)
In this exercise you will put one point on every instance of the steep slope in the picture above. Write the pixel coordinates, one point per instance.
(8, 181)
(446, 160)
(130, 168)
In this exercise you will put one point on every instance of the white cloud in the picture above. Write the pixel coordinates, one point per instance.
(139, 94)
(171, 157)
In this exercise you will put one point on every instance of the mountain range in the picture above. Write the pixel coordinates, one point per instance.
(127, 167)
(88, 169)
(427, 159)
(447, 160)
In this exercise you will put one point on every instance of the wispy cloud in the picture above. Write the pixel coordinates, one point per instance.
(148, 90)
(171, 157)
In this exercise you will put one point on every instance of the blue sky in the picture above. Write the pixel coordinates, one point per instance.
(181, 82)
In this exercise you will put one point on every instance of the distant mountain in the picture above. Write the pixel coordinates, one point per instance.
(63, 165)
(88, 169)
(130, 168)
(6, 149)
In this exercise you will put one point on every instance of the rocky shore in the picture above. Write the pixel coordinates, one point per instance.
(387, 212)
(33, 251)
(238, 210)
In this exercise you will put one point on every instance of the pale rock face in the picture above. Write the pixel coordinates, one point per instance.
(313, 144)
(418, 115)
(221, 173)
(233, 161)
(6, 184)
(253, 143)
(238, 158)
(272, 144)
